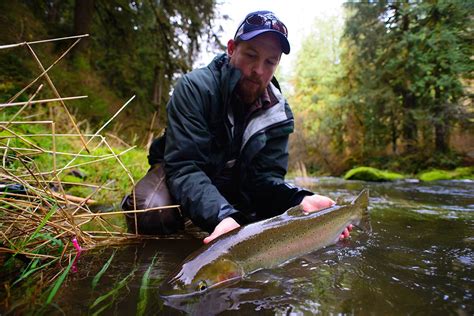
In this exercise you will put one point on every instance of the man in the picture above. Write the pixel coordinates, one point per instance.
(225, 152)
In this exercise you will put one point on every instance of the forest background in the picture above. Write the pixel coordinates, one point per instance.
(389, 86)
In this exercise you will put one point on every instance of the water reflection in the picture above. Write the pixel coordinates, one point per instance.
(210, 303)
(418, 260)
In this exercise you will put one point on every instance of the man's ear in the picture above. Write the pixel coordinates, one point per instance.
(230, 47)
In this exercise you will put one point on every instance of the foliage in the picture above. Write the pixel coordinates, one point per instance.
(134, 48)
(401, 87)
(372, 174)
(316, 69)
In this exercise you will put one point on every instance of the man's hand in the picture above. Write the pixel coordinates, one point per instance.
(226, 225)
(313, 203)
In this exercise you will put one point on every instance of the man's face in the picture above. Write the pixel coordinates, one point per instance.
(257, 59)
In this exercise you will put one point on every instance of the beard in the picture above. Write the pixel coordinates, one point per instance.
(250, 89)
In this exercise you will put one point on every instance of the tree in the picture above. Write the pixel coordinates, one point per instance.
(135, 47)
(317, 66)
(410, 62)
(399, 86)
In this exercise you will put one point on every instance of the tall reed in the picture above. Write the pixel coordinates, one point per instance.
(39, 217)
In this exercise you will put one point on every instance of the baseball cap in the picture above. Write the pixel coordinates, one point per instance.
(259, 22)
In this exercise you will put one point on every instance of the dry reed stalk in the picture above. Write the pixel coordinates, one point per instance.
(25, 253)
(53, 138)
(35, 217)
(25, 104)
(20, 137)
(5, 155)
(118, 139)
(129, 174)
(56, 92)
(44, 72)
(128, 212)
(100, 129)
(57, 153)
(74, 199)
(81, 184)
(80, 164)
(42, 41)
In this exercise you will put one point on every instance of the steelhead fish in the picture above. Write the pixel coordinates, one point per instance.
(264, 244)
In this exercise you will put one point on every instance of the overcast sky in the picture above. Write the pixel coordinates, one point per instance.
(298, 16)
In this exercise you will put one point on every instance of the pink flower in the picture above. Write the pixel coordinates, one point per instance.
(78, 250)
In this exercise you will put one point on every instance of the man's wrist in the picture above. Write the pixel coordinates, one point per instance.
(240, 218)
(299, 196)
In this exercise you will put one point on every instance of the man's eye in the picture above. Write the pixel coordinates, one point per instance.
(202, 286)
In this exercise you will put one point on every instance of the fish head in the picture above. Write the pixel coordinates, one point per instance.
(193, 278)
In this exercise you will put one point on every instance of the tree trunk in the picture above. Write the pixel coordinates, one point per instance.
(441, 143)
(394, 135)
(409, 128)
(83, 13)
(157, 88)
(440, 126)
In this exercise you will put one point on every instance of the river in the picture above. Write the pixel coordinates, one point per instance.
(418, 259)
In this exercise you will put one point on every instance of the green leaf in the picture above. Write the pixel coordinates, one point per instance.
(41, 225)
(32, 269)
(112, 293)
(143, 295)
(59, 281)
(97, 277)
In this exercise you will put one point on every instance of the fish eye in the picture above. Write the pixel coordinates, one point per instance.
(202, 286)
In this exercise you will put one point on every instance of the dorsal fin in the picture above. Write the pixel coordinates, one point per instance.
(340, 201)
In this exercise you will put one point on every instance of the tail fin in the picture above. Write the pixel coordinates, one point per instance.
(362, 202)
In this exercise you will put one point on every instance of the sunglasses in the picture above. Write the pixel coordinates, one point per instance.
(258, 19)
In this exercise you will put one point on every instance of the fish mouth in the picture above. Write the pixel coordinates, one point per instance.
(168, 291)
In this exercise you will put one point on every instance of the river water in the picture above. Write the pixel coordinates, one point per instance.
(418, 259)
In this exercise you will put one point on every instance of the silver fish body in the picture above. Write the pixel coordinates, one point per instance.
(264, 244)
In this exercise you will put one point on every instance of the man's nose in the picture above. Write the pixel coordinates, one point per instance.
(258, 68)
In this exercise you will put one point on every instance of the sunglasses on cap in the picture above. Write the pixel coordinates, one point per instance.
(258, 21)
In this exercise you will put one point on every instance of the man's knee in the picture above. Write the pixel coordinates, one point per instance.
(149, 193)
(155, 222)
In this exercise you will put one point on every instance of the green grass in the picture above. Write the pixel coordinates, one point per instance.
(98, 168)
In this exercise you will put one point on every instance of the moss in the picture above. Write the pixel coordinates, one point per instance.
(372, 174)
(71, 178)
(80, 191)
(438, 174)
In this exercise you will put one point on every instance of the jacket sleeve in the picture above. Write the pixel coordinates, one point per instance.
(265, 183)
(187, 161)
